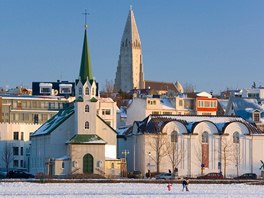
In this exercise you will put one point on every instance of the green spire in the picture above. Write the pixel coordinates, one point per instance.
(85, 69)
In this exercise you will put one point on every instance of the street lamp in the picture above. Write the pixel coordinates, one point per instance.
(124, 169)
(149, 154)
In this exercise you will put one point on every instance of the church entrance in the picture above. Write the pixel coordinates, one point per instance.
(88, 163)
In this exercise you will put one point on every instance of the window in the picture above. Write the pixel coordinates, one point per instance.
(174, 136)
(45, 90)
(155, 112)
(21, 163)
(15, 135)
(205, 149)
(180, 103)
(106, 111)
(65, 88)
(74, 164)
(92, 91)
(15, 150)
(80, 91)
(86, 108)
(87, 91)
(15, 163)
(236, 138)
(256, 116)
(21, 150)
(62, 165)
(35, 118)
(99, 164)
(22, 136)
(112, 165)
(205, 137)
(86, 125)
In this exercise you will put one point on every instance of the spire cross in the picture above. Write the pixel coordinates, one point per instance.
(85, 18)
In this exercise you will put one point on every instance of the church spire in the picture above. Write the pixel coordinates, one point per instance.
(85, 68)
(130, 68)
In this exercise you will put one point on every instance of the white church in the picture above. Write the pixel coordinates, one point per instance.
(80, 139)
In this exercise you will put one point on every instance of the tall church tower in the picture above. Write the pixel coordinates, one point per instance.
(130, 71)
(85, 93)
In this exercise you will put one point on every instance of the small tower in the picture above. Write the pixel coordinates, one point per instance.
(85, 93)
(130, 70)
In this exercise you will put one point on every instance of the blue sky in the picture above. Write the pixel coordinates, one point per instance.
(213, 45)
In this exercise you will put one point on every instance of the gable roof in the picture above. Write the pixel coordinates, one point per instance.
(156, 85)
(54, 121)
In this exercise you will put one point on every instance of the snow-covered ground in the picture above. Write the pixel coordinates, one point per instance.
(66, 190)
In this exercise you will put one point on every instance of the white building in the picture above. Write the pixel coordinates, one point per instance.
(78, 140)
(187, 143)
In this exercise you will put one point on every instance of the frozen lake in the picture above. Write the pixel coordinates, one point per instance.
(27, 189)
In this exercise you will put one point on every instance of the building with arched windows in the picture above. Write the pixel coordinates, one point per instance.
(194, 145)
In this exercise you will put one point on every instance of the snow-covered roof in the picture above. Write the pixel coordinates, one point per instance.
(244, 107)
(155, 123)
(54, 122)
(204, 94)
(86, 139)
(166, 104)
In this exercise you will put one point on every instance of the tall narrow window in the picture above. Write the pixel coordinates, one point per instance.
(80, 91)
(87, 91)
(86, 108)
(205, 149)
(236, 138)
(256, 116)
(15, 135)
(86, 125)
(174, 136)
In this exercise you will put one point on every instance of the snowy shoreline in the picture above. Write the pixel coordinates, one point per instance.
(141, 190)
(146, 181)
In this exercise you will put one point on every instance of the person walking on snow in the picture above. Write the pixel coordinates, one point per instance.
(185, 183)
(169, 186)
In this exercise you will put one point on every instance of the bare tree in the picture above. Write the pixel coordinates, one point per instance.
(236, 156)
(157, 143)
(108, 89)
(173, 150)
(199, 154)
(189, 88)
(7, 155)
(226, 152)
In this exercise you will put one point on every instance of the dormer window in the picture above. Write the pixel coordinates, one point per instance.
(256, 116)
(45, 88)
(65, 88)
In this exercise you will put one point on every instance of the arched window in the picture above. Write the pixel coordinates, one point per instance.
(86, 108)
(174, 136)
(205, 149)
(205, 137)
(87, 91)
(236, 138)
(92, 91)
(80, 91)
(86, 125)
